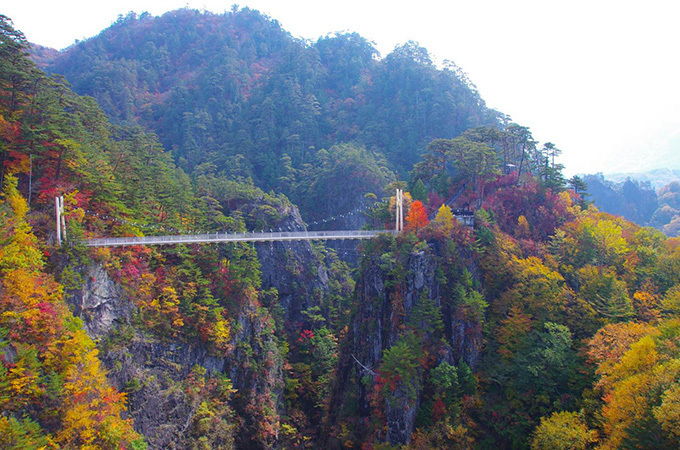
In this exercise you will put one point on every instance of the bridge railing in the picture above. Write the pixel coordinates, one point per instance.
(235, 237)
(248, 237)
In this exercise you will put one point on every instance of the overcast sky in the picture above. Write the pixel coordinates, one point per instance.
(598, 78)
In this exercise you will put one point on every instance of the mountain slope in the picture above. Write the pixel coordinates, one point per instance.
(237, 91)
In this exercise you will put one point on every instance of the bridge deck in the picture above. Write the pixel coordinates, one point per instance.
(235, 237)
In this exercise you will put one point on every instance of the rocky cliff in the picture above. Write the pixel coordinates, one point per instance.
(175, 381)
(411, 316)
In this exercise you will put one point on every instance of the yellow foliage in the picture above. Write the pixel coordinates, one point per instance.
(611, 243)
(18, 247)
(444, 219)
(640, 358)
(144, 291)
(221, 335)
(24, 384)
(523, 229)
(562, 430)
(31, 307)
(169, 308)
(539, 289)
(632, 386)
(26, 288)
(443, 434)
(626, 404)
(647, 306)
(91, 408)
(631, 401)
(611, 342)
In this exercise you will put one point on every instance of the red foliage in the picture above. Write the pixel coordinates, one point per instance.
(434, 200)
(438, 410)
(544, 210)
(221, 281)
(16, 162)
(305, 335)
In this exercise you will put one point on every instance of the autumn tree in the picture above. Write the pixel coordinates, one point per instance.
(638, 381)
(444, 219)
(563, 430)
(417, 217)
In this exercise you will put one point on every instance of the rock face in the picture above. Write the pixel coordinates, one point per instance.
(397, 289)
(375, 328)
(100, 303)
(154, 371)
(292, 269)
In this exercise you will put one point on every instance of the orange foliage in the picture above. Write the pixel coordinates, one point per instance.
(647, 306)
(417, 217)
(611, 342)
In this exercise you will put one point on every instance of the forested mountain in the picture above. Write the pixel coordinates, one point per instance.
(548, 324)
(237, 91)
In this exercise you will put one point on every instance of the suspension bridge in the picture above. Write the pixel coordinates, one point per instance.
(236, 237)
(271, 236)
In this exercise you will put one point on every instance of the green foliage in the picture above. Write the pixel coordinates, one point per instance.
(419, 191)
(426, 317)
(466, 380)
(471, 300)
(400, 369)
(336, 180)
(21, 434)
(445, 378)
(281, 100)
(605, 293)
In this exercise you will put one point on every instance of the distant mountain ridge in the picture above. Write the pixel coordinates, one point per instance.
(648, 198)
(656, 177)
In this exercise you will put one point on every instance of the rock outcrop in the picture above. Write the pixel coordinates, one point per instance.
(100, 302)
(394, 295)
